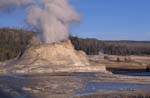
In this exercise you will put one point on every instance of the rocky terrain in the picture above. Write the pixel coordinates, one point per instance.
(46, 58)
(67, 85)
(57, 70)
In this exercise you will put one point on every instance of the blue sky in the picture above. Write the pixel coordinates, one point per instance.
(102, 19)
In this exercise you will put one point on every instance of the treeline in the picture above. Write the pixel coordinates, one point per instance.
(90, 46)
(94, 46)
(13, 42)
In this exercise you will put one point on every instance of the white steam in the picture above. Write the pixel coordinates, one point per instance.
(5, 4)
(50, 17)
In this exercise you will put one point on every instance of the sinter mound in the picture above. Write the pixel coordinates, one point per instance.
(45, 58)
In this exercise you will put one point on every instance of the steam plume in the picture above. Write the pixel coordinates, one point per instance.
(50, 17)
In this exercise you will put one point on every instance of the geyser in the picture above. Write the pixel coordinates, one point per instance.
(51, 18)
(48, 58)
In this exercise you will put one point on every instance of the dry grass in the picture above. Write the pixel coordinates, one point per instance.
(124, 62)
(118, 94)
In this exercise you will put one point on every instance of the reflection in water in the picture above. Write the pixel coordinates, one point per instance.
(92, 87)
(133, 73)
(65, 83)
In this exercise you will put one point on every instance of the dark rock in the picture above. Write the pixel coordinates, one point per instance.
(148, 68)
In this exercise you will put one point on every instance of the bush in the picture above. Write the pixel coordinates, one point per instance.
(148, 68)
(106, 57)
(127, 59)
(118, 59)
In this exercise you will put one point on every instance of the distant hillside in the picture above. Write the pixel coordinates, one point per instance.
(94, 46)
(14, 41)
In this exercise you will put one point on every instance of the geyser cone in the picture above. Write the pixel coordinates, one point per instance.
(47, 58)
(54, 54)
